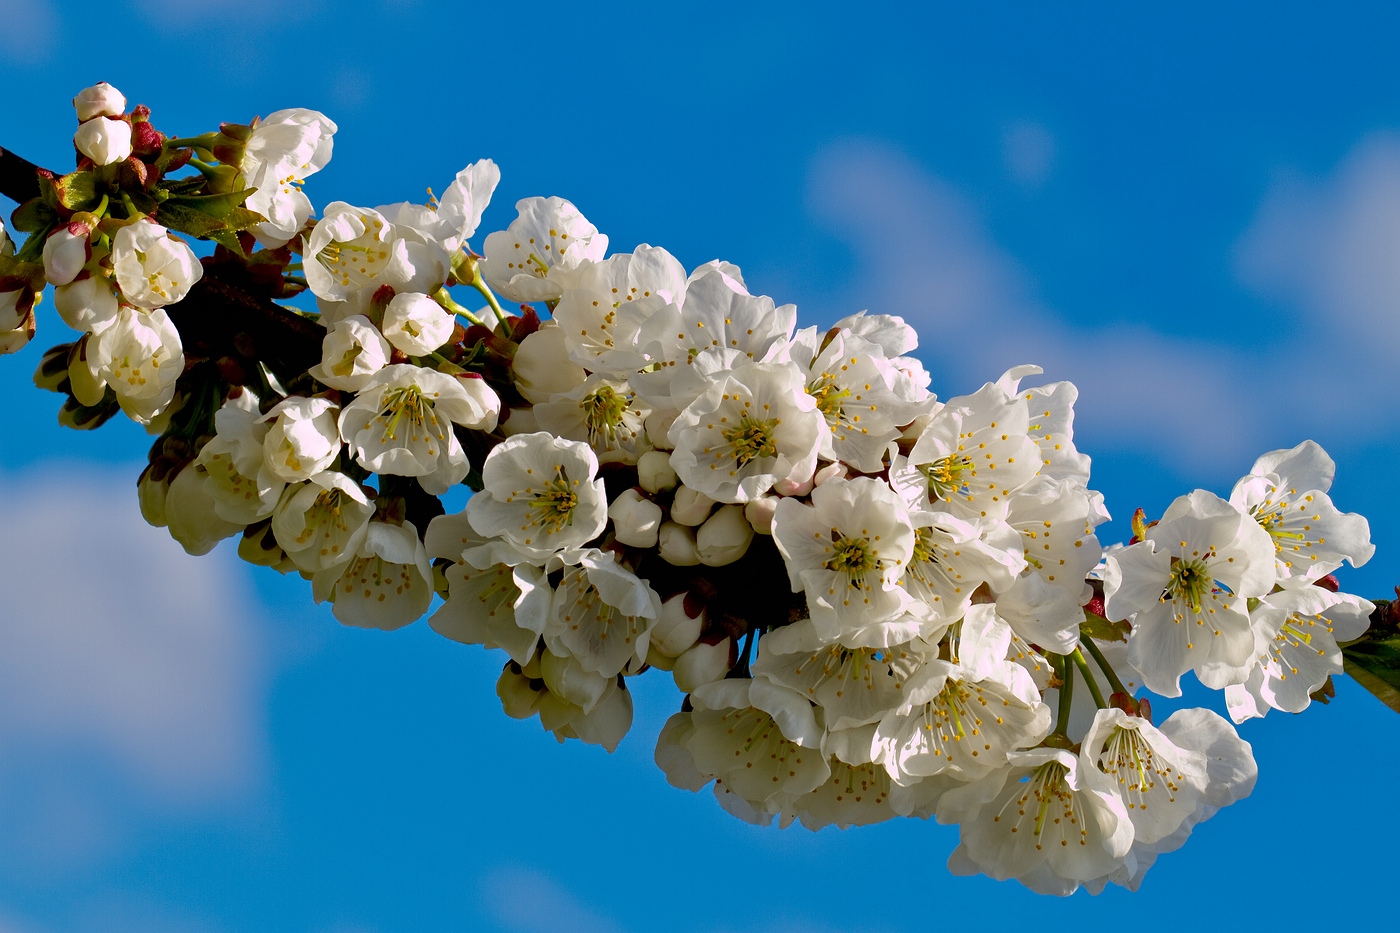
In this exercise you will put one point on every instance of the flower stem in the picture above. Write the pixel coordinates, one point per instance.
(1065, 672)
(480, 285)
(1104, 666)
(1094, 691)
(445, 300)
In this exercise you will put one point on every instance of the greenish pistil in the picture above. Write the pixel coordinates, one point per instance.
(923, 547)
(603, 409)
(555, 503)
(852, 556)
(405, 403)
(945, 476)
(1270, 516)
(829, 396)
(1190, 581)
(347, 362)
(752, 439)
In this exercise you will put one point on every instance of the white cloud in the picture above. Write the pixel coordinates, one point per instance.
(923, 253)
(1028, 151)
(526, 901)
(126, 666)
(27, 29)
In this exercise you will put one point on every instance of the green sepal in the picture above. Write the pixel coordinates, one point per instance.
(79, 191)
(1374, 663)
(34, 216)
(1097, 627)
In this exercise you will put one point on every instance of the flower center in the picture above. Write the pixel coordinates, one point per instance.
(346, 366)
(752, 439)
(556, 502)
(1271, 516)
(405, 404)
(829, 396)
(1189, 582)
(1128, 758)
(603, 409)
(354, 263)
(853, 557)
(1056, 809)
(945, 477)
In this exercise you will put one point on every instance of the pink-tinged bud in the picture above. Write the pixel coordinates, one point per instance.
(787, 487)
(1328, 582)
(829, 472)
(690, 507)
(66, 251)
(146, 139)
(636, 521)
(703, 664)
(1096, 606)
(760, 513)
(103, 140)
(100, 100)
(1145, 708)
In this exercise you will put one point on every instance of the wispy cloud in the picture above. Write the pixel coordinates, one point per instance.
(523, 900)
(923, 253)
(27, 30)
(124, 663)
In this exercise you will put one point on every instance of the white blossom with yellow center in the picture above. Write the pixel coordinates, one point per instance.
(237, 478)
(353, 251)
(323, 522)
(284, 149)
(140, 356)
(541, 493)
(387, 584)
(152, 267)
(533, 258)
(602, 614)
(604, 413)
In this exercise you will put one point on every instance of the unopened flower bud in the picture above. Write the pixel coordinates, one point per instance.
(542, 366)
(654, 472)
(190, 515)
(635, 520)
(100, 100)
(760, 512)
(103, 140)
(677, 545)
(676, 631)
(259, 547)
(416, 324)
(690, 507)
(66, 251)
(725, 537)
(567, 678)
(702, 664)
(829, 472)
(658, 426)
(86, 304)
(351, 352)
(788, 487)
(518, 696)
(52, 370)
(150, 495)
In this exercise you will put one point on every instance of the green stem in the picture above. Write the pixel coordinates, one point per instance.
(1104, 666)
(1066, 674)
(443, 298)
(1094, 691)
(480, 285)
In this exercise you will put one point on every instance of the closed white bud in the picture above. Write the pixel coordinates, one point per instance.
(725, 537)
(676, 631)
(658, 425)
(100, 100)
(66, 251)
(788, 487)
(86, 304)
(190, 515)
(654, 472)
(351, 352)
(690, 506)
(104, 141)
(677, 545)
(702, 664)
(829, 472)
(542, 366)
(416, 324)
(518, 698)
(635, 520)
(150, 495)
(759, 512)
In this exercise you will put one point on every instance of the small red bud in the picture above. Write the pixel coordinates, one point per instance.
(145, 138)
(397, 356)
(1096, 606)
(1328, 582)
(1145, 708)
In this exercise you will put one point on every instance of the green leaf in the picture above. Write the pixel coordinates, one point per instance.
(221, 206)
(1374, 663)
(181, 186)
(79, 191)
(34, 216)
(1097, 627)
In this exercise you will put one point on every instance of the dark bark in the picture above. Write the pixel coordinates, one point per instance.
(19, 180)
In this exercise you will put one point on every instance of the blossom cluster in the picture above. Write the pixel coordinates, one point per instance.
(876, 603)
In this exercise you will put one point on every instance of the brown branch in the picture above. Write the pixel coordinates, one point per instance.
(226, 314)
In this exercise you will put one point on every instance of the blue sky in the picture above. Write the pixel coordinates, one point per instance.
(1192, 212)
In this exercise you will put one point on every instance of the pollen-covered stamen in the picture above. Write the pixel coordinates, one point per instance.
(406, 414)
(948, 477)
(553, 506)
(1045, 810)
(751, 439)
(1295, 640)
(1189, 582)
(495, 589)
(952, 721)
(355, 263)
(1143, 777)
(849, 669)
(604, 416)
(1290, 525)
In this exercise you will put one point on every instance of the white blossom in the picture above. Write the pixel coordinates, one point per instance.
(456, 215)
(602, 614)
(387, 584)
(323, 522)
(302, 438)
(86, 304)
(354, 251)
(153, 268)
(1286, 493)
(951, 558)
(282, 151)
(601, 316)
(244, 490)
(530, 260)
(100, 100)
(541, 493)
(416, 324)
(541, 366)
(352, 351)
(191, 516)
(703, 663)
(139, 355)
(604, 413)
(401, 423)
(1185, 587)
